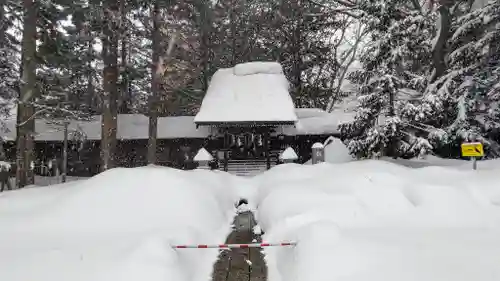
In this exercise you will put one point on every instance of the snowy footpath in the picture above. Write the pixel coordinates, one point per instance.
(356, 221)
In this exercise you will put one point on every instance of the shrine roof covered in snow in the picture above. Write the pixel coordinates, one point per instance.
(129, 127)
(311, 121)
(253, 92)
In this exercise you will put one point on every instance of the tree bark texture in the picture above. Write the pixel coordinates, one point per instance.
(439, 52)
(155, 86)
(110, 74)
(25, 110)
(124, 89)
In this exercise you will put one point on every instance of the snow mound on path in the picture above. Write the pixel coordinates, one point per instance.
(118, 225)
(375, 220)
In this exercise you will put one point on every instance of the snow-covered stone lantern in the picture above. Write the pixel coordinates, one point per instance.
(318, 153)
(288, 155)
(203, 157)
(5, 166)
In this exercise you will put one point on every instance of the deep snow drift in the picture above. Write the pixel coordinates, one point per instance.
(378, 221)
(118, 225)
(356, 221)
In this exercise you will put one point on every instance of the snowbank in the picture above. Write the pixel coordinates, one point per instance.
(375, 220)
(336, 151)
(203, 155)
(289, 154)
(117, 225)
(356, 221)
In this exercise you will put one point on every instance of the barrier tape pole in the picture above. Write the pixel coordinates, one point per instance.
(233, 246)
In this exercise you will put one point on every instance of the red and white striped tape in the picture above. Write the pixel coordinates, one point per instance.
(232, 246)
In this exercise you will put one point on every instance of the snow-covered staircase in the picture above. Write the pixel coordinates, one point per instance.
(247, 168)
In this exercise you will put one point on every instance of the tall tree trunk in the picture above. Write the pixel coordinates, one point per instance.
(297, 63)
(124, 89)
(110, 78)
(90, 75)
(205, 56)
(25, 111)
(439, 51)
(3, 25)
(124, 96)
(233, 33)
(155, 85)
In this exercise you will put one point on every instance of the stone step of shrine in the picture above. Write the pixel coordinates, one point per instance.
(247, 168)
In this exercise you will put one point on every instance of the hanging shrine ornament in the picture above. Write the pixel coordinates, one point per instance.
(259, 140)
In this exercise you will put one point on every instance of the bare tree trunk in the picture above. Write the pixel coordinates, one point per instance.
(124, 96)
(345, 64)
(124, 89)
(206, 47)
(25, 111)
(90, 77)
(155, 85)
(65, 152)
(233, 33)
(439, 52)
(297, 59)
(3, 26)
(205, 51)
(110, 78)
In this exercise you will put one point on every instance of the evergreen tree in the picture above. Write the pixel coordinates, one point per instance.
(393, 73)
(462, 104)
(445, 89)
(9, 61)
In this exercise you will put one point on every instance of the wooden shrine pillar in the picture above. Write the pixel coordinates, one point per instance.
(226, 159)
(266, 148)
(225, 146)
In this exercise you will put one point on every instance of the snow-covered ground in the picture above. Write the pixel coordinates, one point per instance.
(375, 220)
(116, 226)
(355, 221)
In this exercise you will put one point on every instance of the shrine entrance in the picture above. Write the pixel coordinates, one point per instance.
(244, 146)
(246, 143)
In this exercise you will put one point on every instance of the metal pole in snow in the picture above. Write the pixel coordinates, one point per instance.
(65, 152)
(233, 246)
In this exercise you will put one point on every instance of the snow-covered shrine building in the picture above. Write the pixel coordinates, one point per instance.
(246, 120)
(251, 118)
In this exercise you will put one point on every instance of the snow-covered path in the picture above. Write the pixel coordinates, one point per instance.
(245, 264)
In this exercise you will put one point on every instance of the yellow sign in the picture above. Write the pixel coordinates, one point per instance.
(472, 149)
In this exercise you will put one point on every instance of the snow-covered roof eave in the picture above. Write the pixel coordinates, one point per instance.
(246, 123)
(129, 127)
(311, 122)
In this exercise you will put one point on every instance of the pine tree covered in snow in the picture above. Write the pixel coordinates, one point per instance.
(445, 89)
(59, 72)
(463, 104)
(393, 73)
(9, 61)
